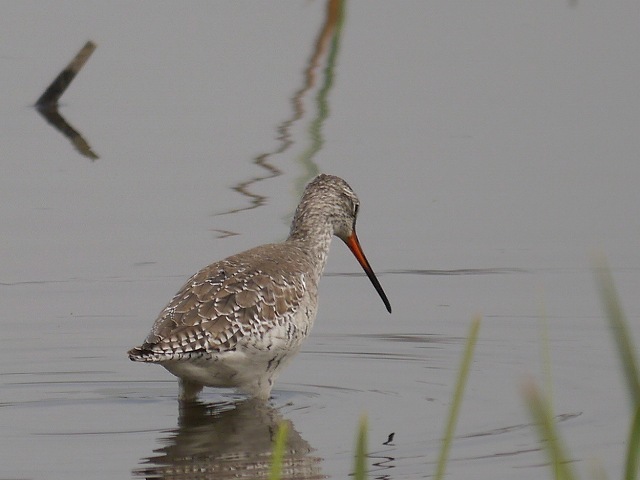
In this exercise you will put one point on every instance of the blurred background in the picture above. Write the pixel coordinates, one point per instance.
(493, 145)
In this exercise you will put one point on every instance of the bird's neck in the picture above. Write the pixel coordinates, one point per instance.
(313, 236)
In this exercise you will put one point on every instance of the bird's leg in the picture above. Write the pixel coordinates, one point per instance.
(189, 390)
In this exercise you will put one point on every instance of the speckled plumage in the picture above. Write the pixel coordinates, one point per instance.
(237, 322)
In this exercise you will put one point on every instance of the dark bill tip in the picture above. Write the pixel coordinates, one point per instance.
(354, 245)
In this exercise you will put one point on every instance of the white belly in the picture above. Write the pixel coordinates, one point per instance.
(254, 364)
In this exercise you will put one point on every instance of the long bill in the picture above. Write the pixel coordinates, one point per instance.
(354, 245)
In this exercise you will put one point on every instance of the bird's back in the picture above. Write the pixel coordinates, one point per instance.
(242, 297)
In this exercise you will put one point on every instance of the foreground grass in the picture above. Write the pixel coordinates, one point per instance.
(279, 445)
(539, 405)
(458, 393)
(360, 466)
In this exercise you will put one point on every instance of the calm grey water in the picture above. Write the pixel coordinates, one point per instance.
(494, 146)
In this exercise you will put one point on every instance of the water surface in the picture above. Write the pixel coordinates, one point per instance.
(494, 148)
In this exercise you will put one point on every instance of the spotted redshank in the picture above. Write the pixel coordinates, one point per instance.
(239, 321)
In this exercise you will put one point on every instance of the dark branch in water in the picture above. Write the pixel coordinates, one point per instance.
(47, 104)
(53, 93)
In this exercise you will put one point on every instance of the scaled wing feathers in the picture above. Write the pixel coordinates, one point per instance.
(220, 305)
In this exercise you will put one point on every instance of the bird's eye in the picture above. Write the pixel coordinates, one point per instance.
(356, 207)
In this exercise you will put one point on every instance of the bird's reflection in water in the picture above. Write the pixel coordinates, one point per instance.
(228, 440)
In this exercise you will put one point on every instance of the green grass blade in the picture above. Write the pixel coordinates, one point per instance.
(278, 451)
(452, 418)
(546, 353)
(360, 467)
(633, 450)
(541, 413)
(619, 328)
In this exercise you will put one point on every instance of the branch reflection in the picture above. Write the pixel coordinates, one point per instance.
(324, 53)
